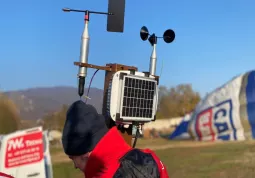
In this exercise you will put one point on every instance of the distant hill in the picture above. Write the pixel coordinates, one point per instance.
(34, 103)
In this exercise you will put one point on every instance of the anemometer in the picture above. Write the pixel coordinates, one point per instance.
(130, 96)
(168, 37)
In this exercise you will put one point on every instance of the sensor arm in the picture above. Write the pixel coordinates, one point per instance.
(153, 60)
(86, 11)
(84, 48)
(84, 52)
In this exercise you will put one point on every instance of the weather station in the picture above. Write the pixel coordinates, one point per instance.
(130, 96)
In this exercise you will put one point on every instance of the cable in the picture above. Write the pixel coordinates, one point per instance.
(161, 68)
(90, 84)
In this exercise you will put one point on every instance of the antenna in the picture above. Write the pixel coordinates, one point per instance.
(115, 23)
(168, 37)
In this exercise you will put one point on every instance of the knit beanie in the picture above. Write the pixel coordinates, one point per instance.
(83, 129)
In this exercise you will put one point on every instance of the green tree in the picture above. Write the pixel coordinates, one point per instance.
(9, 116)
(55, 121)
(177, 101)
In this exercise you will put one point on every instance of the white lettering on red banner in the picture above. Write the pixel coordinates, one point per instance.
(24, 150)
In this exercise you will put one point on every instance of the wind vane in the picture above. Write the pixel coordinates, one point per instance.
(115, 23)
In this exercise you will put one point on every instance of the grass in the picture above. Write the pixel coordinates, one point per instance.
(224, 160)
(66, 170)
(232, 159)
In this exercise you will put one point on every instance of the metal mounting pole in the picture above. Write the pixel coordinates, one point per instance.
(153, 61)
(84, 53)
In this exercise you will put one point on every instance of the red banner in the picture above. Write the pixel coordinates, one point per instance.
(3, 175)
(23, 150)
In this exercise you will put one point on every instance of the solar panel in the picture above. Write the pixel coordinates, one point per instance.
(132, 97)
(138, 97)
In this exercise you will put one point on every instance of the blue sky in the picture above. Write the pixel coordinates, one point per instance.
(215, 41)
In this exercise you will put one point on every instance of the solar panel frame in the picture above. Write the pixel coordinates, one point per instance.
(138, 98)
(108, 102)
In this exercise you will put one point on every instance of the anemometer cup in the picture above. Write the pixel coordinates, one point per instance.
(168, 36)
(144, 33)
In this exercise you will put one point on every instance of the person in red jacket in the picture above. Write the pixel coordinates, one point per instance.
(100, 152)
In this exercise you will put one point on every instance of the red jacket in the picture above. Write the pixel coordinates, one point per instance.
(114, 158)
(3, 175)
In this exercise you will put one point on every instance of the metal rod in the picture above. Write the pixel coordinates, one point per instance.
(84, 11)
(84, 52)
(105, 13)
(136, 135)
(153, 60)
